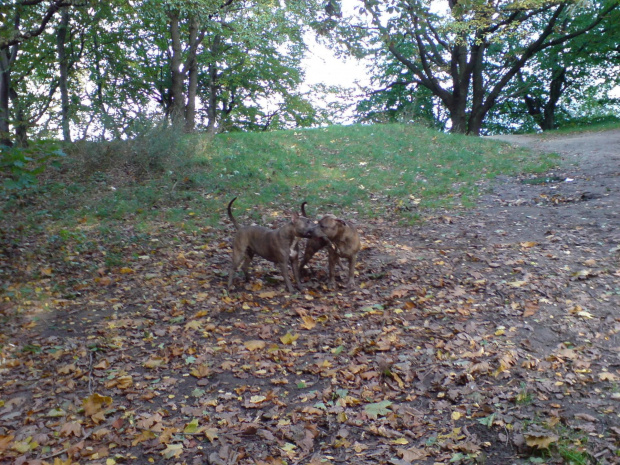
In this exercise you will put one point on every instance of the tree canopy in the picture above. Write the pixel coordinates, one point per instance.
(85, 69)
(466, 53)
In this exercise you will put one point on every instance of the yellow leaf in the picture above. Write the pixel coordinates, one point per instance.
(517, 283)
(145, 435)
(94, 403)
(194, 324)
(400, 441)
(122, 382)
(191, 427)
(289, 339)
(154, 362)
(401, 383)
(456, 415)
(211, 434)
(527, 245)
(540, 441)
(126, 270)
(201, 371)
(254, 345)
(172, 451)
(257, 399)
(58, 461)
(308, 322)
(21, 446)
(267, 295)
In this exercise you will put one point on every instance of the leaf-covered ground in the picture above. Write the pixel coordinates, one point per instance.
(483, 336)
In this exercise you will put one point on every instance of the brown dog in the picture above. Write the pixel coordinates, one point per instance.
(342, 241)
(276, 245)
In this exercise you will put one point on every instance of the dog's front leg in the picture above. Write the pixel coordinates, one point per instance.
(351, 280)
(296, 273)
(332, 260)
(287, 279)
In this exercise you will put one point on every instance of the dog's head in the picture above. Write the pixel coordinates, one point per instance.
(303, 226)
(330, 227)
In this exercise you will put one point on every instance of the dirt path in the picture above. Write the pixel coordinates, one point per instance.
(490, 335)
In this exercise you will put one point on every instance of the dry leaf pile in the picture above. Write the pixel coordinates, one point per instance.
(488, 336)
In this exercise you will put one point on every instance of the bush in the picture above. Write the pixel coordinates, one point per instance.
(20, 166)
(155, 150)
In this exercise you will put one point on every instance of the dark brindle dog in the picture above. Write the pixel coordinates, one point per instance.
(276, 245)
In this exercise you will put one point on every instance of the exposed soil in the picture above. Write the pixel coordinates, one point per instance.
(490, 335)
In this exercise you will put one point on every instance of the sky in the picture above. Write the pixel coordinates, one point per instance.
(322, 66)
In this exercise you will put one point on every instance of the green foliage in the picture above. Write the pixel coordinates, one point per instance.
(392, 170)
(465, 54)
(20, 166)
(156, 149)
(568, 84)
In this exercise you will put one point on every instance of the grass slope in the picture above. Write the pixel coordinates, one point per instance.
(371, 170)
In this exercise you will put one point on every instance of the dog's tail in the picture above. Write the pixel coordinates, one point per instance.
(303, 210)
(230, 215)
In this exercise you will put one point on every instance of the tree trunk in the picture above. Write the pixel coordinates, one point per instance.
(556, 89)
(458, 111)
(5, 85)
(474, 125)
(176, 88)
(213, 87)
(192, 72)
(63, 63)
(21, 121)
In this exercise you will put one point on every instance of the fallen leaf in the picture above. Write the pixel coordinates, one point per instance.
(289, 339)
(94, 403)
(201, 371)
(254, 345)
(540, 440)
(71, 428)
(308, 322)
(172, 451)
(376, 409)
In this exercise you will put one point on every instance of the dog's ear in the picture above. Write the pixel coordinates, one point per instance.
(294, 216)
(303, 209)
(341, 221)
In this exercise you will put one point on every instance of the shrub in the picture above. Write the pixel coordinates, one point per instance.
(20, 166)
(155, 150)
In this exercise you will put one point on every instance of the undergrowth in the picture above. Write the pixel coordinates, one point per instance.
(364, 170)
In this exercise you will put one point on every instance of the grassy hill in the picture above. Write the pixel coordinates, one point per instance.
(369, 170)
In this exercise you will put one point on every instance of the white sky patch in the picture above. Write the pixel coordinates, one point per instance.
(322, 65)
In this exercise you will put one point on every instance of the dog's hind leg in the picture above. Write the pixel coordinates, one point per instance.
(236, 261)
(247, 259)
